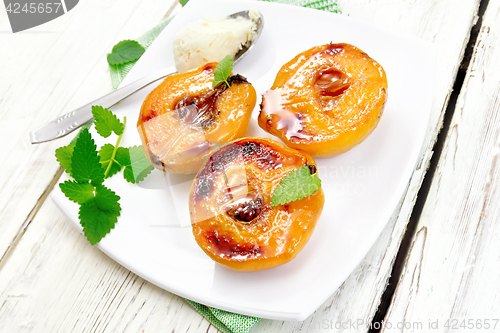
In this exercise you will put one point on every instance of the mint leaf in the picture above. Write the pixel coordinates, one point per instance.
(136, 164)
(63, 156)
(85, 164)
(77, 192)
(223, 70)
(297, 185)
(96, 223)
(99, 206)
(105, 154)
(106, 122)
(99, 214)
(125, 51)
(106, 199)
(183, 2)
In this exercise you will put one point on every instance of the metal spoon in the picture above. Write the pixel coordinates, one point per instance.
(69, 122)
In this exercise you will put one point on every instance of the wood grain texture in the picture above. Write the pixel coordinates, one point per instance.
(50, 70)
(56, 281)
(459, 269)
(408, 287)
(447, 24)
(52, 280)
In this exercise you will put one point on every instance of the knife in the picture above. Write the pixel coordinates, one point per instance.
(69, 122)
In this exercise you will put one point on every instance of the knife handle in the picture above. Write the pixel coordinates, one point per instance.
(67, 123)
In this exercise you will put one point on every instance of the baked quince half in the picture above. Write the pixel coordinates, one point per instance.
(230, 205)
(326, 100)
(185, 118)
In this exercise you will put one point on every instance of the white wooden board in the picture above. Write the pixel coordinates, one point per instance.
(47, 71)
(51, 279)
(454, 274)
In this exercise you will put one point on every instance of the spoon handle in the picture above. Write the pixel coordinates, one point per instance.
(67, 123)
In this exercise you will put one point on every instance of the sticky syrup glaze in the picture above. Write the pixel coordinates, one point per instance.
(325, 100)
(230, 209)
(185, 117)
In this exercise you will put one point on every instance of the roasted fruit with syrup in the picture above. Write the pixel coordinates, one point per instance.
(185, 118)
(230, 205)
(326, 100)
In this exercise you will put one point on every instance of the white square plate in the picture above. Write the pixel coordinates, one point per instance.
(362, 187)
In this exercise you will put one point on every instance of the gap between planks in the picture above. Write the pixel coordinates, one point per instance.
(39, 203)
(410, 233)
(411, 230)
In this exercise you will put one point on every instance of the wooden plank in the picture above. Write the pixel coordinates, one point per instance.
(56, 281)
(459, 265)
(447, 24)
(48, 71)
(52, 270)
(408, 287)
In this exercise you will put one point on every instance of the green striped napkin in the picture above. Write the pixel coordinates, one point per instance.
(225, 321)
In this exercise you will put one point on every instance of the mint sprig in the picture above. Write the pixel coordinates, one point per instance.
(298, 184)
(85, 165)
(125, 51)
(89, 167)
(223, 70)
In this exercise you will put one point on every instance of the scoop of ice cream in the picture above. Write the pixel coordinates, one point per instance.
(211, 39)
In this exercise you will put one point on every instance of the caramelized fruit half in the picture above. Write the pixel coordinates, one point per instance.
(230, 206)
(326, 100)
(184, 118)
